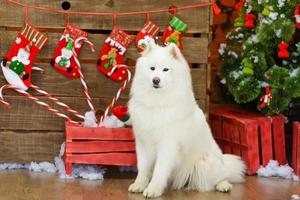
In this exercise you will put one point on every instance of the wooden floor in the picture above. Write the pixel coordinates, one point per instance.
(26, 185)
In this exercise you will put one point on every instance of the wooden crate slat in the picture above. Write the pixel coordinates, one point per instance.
(296, 148)
(120, 159)
(197, 19)
(99, 146)
(100, 85)
(195, 49)
(24, 147)
(74, 132)
(279, 139)
(266, 140)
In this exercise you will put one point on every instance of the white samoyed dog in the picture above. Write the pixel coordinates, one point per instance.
(174, 143)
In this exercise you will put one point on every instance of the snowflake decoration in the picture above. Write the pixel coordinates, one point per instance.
(18, 40)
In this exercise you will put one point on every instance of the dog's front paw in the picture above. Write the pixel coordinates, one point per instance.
(137, 187)
(153, 191)
(223, 186)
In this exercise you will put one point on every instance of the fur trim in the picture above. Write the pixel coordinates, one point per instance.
(12, 78)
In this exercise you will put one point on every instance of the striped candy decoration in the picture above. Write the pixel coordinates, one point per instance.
(116, 97)
(34, 99)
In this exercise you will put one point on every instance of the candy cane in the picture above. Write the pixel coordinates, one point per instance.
(85, 88)
(58, 102)
(122, 88)
(34, 99)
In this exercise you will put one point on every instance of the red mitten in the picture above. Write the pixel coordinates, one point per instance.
(173, 32)
(112, 54)
(17, 64)
(148, 32)
(63, 58)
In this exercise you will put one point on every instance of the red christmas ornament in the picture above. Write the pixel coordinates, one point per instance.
(297, 16)
(239, 5)
(216, 9)
(283, 52)
(250, 21)
(265, 99)
(121, 112)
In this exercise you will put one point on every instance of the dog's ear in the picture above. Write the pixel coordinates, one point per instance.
(149, 47)
(174, 51)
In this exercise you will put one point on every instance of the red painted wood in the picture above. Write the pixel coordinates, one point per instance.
(99, 146)
(73, 131)
(252, 154)
(119, 159)
(296, 148)
(227, 136)
(217, 128)
(266, 139)
(279, 139)
(236, 131)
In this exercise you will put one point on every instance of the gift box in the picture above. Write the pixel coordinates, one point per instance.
(103, 146)
(254, 137)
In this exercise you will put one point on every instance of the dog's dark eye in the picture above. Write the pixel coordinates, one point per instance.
(165, 69)
(152, 68)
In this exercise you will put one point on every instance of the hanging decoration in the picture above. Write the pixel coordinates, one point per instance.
(146, 34)
(265, 99)
(173, 32)
(17, 65)
(250, 21)
(65, 57)
(282, 50)
(17, 68)
(297, 16)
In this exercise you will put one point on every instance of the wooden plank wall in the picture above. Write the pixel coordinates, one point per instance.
(28, 132)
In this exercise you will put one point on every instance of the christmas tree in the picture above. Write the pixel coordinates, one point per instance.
(260, 61)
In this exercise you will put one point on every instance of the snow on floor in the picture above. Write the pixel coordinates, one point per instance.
(295, 197)
(274, 169)
(90, 172)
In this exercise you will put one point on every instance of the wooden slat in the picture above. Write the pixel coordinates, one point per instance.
(99, 84)
(99, 147)
(27, 115)
(24, 147)
(197, 19)
(119, 159)
(77, 132)
(195, 49)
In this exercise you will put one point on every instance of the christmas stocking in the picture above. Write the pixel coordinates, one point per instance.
(112, 54)
(17, 64)
(63, 58)
(148, 32)
(173, 32)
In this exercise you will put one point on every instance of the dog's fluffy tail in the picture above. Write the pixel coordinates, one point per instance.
(234, 168)
(206, 173)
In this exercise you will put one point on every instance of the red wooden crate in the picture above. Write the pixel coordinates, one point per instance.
(105, 146)
(254, 137)
(296, 148)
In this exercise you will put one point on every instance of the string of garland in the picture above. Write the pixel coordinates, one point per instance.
(260, 60)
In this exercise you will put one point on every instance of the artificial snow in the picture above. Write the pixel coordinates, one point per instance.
(42, 167)
(90, 172)
(90, 119)
(273, 15)
(294, 72)
(223, 81)
(112, 122)
(10, 166)
(235, 75)
(235, 55)
(295, 197)
(281, 3)
(274, 169)
(277, 32)
(221, 49)
(263, 84)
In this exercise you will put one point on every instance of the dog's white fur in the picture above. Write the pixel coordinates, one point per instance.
(174, 143)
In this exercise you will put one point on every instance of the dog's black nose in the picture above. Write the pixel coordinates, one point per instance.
(156, 80)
